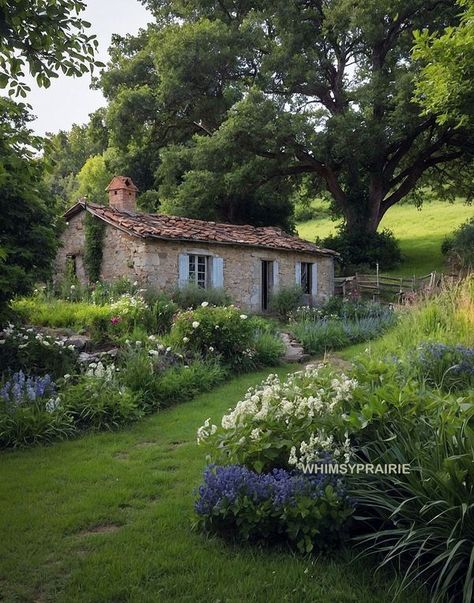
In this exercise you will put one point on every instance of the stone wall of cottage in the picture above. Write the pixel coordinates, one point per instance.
(155, 263)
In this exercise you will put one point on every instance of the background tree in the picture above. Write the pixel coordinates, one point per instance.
(445, 85)
(250, 97)
(28, 239)
(47, 37)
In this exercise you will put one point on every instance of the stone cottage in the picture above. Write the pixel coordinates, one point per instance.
(163, 252)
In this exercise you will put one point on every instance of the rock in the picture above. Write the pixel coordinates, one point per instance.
(80, 342)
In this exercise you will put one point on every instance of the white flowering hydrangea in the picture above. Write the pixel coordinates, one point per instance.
(283, 423)
(129, 305)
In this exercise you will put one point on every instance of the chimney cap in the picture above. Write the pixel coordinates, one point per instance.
(121, 183)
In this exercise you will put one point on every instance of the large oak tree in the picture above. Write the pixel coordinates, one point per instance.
(248, 98)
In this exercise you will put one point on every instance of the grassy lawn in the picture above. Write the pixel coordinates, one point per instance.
(107, 518)
(420, 233)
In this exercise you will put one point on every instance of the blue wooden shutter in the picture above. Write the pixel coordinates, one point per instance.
(183, 274)
(217, 273)
(298, 274)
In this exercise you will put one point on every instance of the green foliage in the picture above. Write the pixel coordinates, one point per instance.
(99, 403)
(444, 85)
(28, 230)
(286, 300)
(94, 230)
(192, 296)
(60, 313)
(426, 515)
(269, 348)
(92, 180)
(210, 330)
(459, 248)
(339, 324)
(276, 417)
(31, 425)
(32, 352)
(232, 114)
(363, 253)
(63, 44)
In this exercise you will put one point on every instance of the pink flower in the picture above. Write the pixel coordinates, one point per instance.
(115, 320)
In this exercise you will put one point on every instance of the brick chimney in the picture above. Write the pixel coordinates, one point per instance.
(122, 194)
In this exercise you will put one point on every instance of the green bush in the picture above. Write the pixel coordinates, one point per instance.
(185, 382)
(208, 330)
(99, 403)
(269, 349)
(361, 252)
(32, 352)
(422, 521)
(277, 421)
(459, 248)
(286, 300)
(59, 313)
(192, 296)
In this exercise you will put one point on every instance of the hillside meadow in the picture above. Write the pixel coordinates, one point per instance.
(420, 232)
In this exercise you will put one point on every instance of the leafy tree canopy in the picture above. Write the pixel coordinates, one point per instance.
(445, 86)
(28, 240)
(249, 98)
(47, 37)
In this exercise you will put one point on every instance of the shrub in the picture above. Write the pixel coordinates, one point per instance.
(445, 366)
(192, 296)
(30, 412)
(286, 300)
(98, 402)
(362, 251)
(309, 512)
(459, 248)
(422, 521)
(277, 420)
(59, 313)
(214, 330)
(320, 335)
(269, 349)
(27, 350)
(182, 383)
(159, 317)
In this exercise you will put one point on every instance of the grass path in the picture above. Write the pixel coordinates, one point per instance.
(106, 518)
(420, 232)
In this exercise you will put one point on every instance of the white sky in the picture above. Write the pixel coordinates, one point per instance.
(69, 100)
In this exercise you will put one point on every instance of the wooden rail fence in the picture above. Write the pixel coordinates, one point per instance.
(387, 288)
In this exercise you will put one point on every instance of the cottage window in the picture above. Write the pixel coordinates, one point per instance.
(306, 277)
(199, 270)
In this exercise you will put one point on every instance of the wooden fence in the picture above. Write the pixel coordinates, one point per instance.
(387, 288)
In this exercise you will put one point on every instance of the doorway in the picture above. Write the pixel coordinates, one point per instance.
(267, 283)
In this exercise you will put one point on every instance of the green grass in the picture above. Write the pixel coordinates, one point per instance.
(59, 312)
(107, 518)
(420, 232)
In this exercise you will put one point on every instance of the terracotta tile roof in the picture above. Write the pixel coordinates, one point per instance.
(175, 228)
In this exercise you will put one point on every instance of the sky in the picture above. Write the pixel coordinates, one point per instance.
(69, 100)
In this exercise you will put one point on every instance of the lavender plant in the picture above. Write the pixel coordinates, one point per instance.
(307, 511)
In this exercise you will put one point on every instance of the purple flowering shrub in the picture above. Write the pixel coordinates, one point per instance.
(450, 367)
(307, 511)
(31, 412)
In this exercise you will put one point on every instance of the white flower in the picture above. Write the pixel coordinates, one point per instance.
(46, 343)
(73, 287)
(23, 345)
(135, 283)
(243, 316)
(205, 304)
(185, 339)
(2, 341)
(138, 343)
(216, 327)
(211, 349)
(71, 347)
(168, 349)
(67, 376)
(160, 347)
(151, 337)
(153, 353)
(195, 324)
